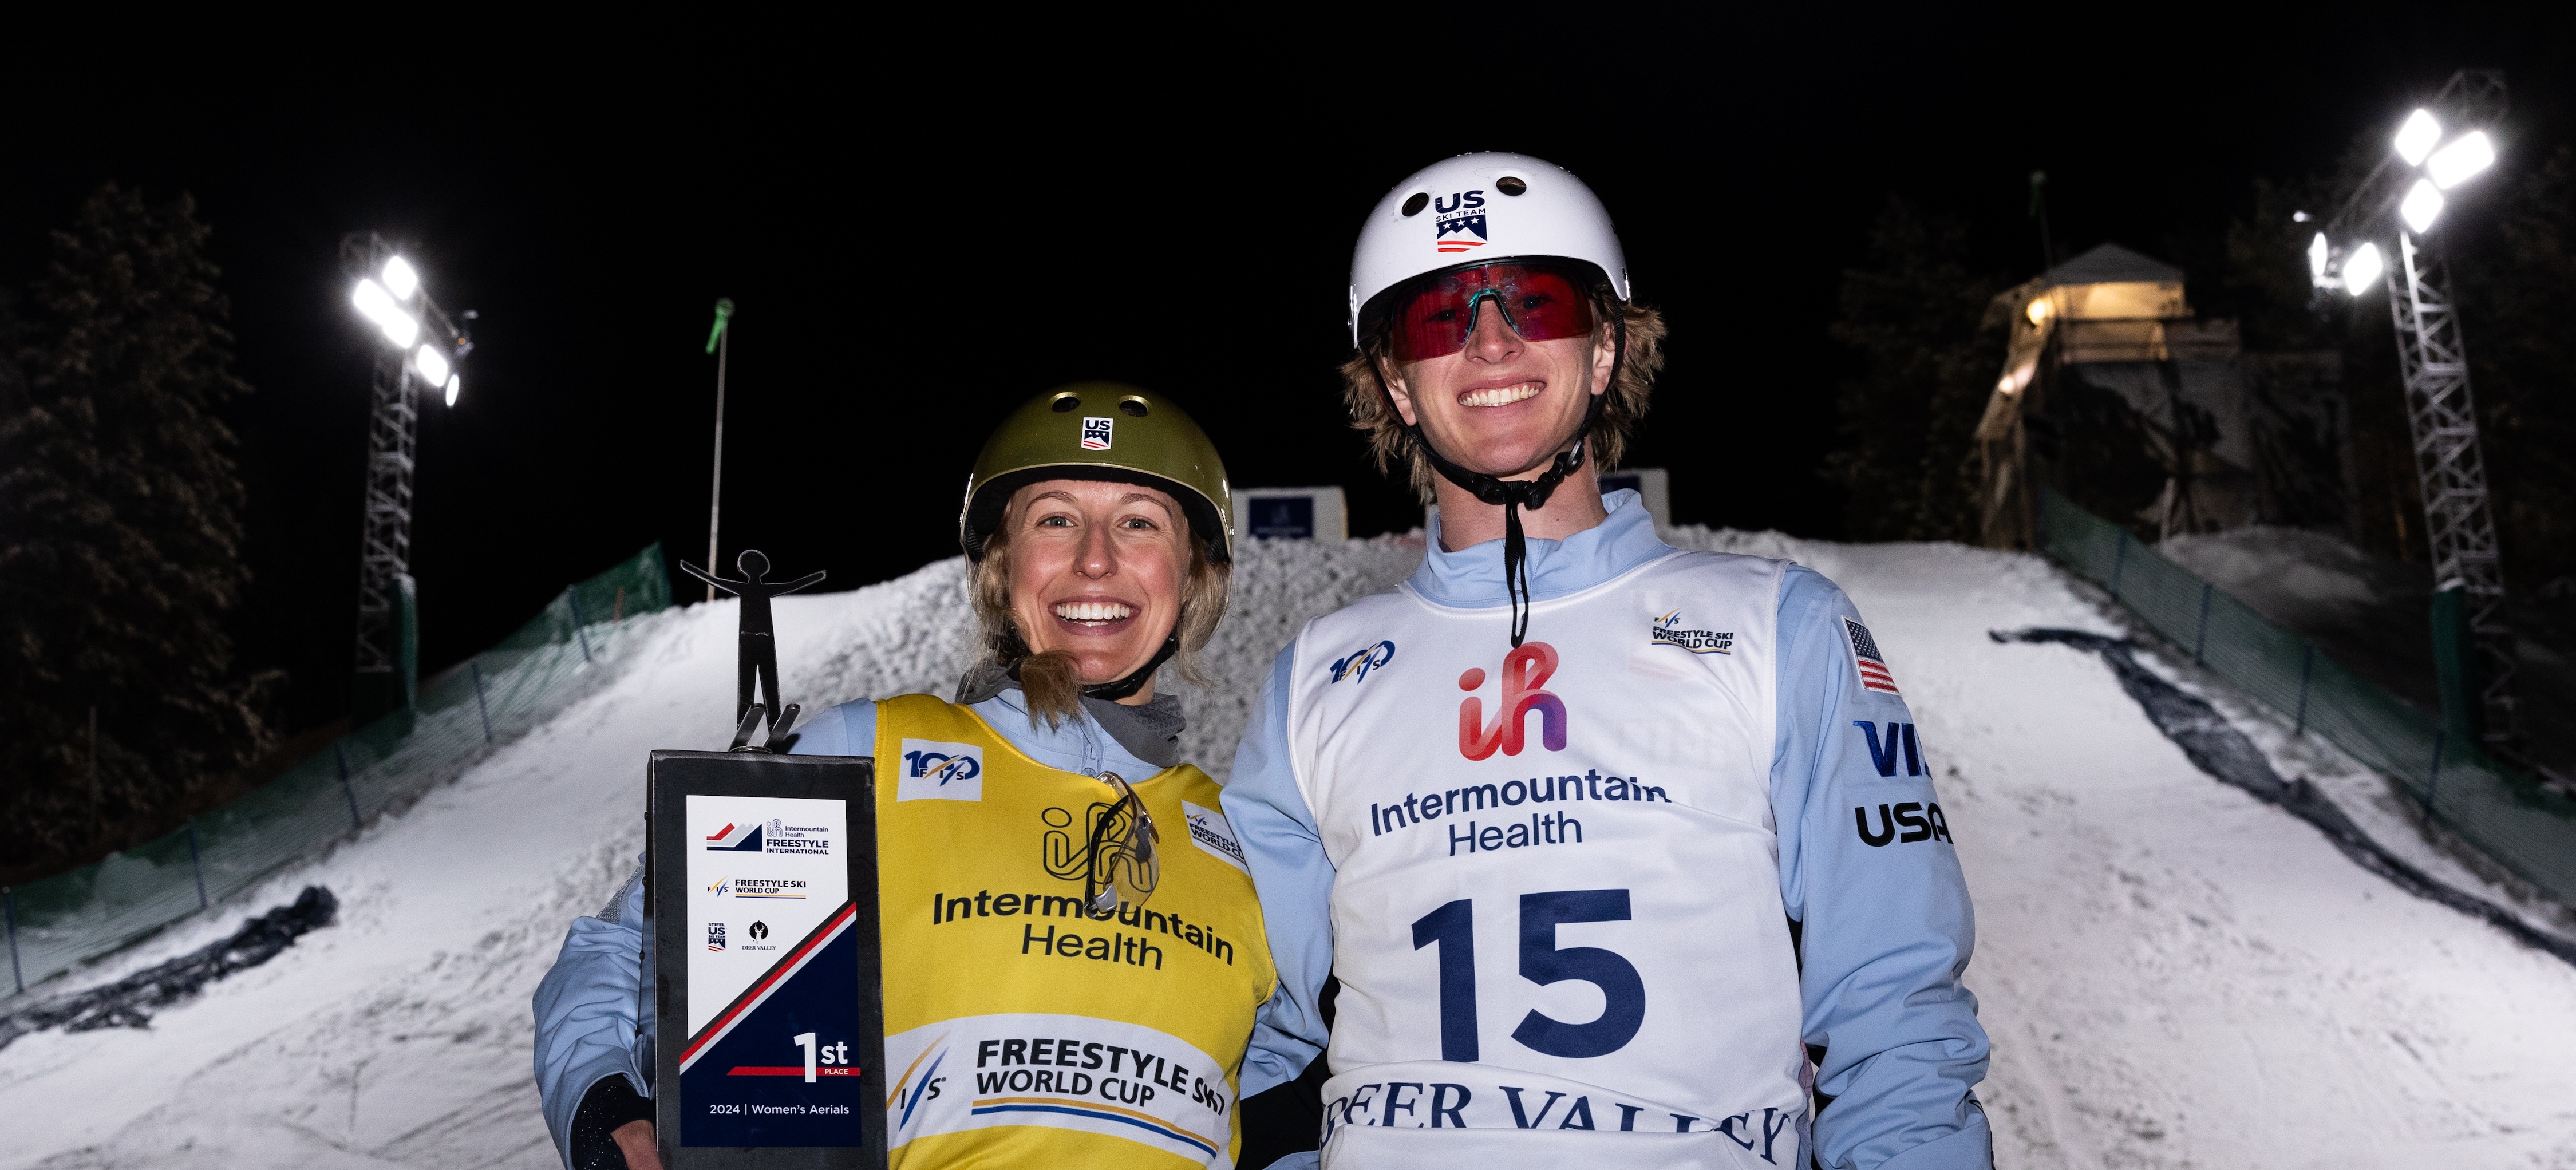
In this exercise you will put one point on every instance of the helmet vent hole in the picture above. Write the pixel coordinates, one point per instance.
(1511, 185)
(1420, 200)
(1066, 404)
(1133, 407)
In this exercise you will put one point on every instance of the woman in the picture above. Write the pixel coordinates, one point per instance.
(1074, 955)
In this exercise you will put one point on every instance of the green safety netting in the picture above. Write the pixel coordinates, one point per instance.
(61, 921)
(2523, 826)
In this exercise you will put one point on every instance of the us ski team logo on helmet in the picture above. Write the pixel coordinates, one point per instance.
(1460, 215)
(1095, 434)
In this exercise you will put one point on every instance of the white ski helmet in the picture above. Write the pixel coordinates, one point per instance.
(1481, 209)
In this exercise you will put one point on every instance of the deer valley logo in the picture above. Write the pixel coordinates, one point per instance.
(1524, 686)
(1667, 631)
(1455, 218)
(932, 770)
(1360, 662)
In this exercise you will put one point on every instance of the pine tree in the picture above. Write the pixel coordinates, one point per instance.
(120, 537)
(1911, 322)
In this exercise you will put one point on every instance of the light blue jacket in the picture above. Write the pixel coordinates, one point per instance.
(1886, 933)
(595, 1014)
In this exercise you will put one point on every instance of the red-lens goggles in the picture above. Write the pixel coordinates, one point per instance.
(1540, 302)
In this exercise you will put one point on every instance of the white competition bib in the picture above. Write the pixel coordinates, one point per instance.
(1557, 895)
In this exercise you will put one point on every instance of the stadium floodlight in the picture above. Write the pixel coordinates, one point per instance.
(2467, 155)
(2397, 203)
(455, 384)
(2361, 269)
(401, 278)
(377, 305)
(433, 364)
(2415, 139)
(2421, 204)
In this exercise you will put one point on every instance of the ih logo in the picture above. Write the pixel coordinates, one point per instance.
(1525, 675)
(1456, 218)
(1357, 666)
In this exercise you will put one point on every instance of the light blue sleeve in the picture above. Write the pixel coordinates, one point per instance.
(1295, 880)
(587, 1008)
(594, 1019)
(847, 730)
(1868, 868)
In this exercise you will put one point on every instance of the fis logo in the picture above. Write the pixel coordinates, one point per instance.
(1667, 631)
(715, 936)
(1357, 666)
(1210, 832)
(932, 770)
(1525, 675)
(1095, 433)
(759, 888)
(1458, 221)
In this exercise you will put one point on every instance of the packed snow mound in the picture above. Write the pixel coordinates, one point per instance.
(2174, 973)
(2293, 570)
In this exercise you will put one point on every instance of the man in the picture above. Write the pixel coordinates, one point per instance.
(1683, 839)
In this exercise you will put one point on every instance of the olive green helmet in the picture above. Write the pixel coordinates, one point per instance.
(1107, 431)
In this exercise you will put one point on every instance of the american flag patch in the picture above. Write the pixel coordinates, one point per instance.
(1874, 675)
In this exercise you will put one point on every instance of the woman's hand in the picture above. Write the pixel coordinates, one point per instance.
(635, 1140)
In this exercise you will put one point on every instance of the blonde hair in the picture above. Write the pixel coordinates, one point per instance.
(1051, 681)
(1621, 408)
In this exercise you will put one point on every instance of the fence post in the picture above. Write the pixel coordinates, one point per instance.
(340, 748)
(198, 861)
(2307, 662)
(9, 911)
(479, 706)
(2200, 640)
(2118, 561)
(572, 594)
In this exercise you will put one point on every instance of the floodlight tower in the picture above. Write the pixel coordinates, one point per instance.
(423, 347)
(2429, 159)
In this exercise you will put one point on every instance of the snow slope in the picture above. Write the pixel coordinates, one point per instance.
(2174, 973)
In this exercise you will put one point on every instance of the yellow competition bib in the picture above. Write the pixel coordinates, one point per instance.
(1021, 1030)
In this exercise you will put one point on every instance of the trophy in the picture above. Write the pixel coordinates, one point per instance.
(761, 885)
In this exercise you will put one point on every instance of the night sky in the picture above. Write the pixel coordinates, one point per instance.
(917, 243)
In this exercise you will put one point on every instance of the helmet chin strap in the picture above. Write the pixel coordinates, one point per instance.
(1018, 651)
(1135, 681)
(1512, 495)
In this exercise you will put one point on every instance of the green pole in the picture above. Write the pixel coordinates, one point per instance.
(719, 343)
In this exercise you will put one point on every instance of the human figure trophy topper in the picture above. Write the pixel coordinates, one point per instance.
(757, 659)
